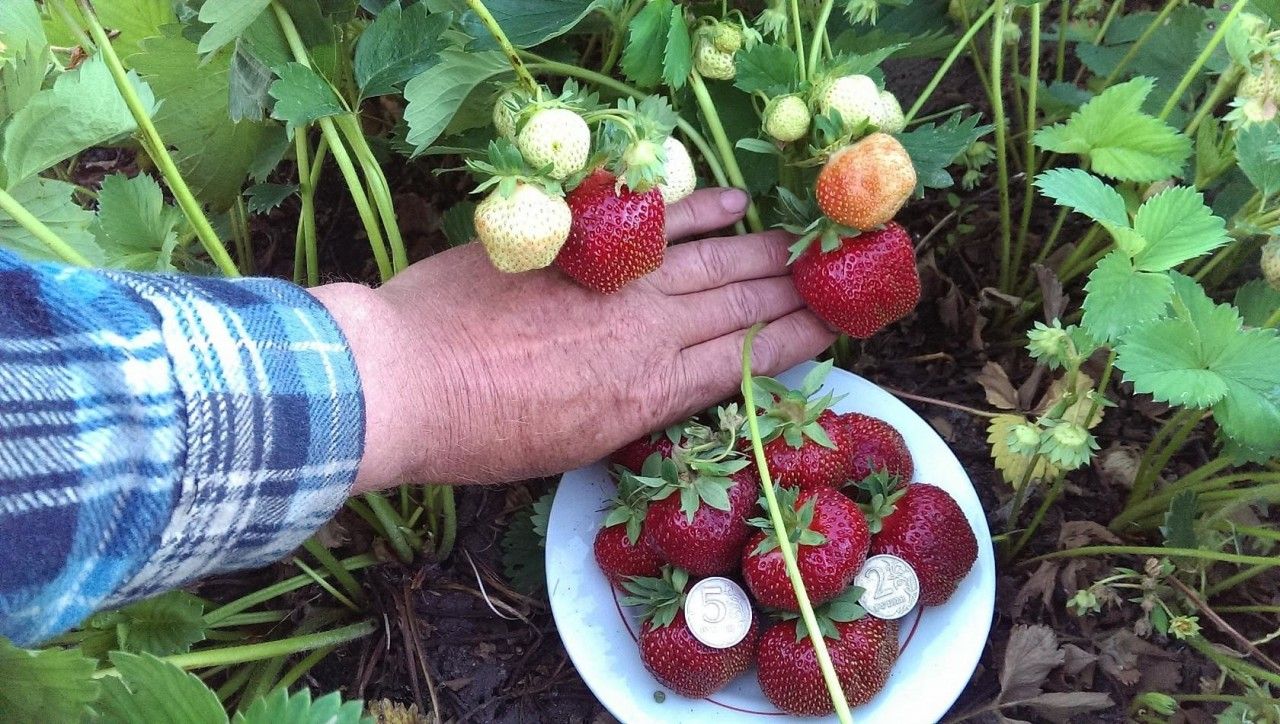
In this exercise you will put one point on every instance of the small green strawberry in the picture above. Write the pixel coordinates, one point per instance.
(711, 62)
(558, 138)
(787, 118)
(727, 37)
(505, 114)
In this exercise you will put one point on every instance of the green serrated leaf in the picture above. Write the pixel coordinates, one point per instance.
(1120, 297)
(933, 148)
(524, 546)
(1120, 140)
(766, 68)
(1179, 527)
(51, 202)
(398, 45)
(1164, 359)
(302, 97)
(1256, 148)
(52, 685)
(83, 109)
(1257, 301)
(266, 197)
(1176, 226)
(21, 77)
(135, 228)
(1083, 192)
(20, 25)
(647, 38)
(436, 95)
(227, 20)
(167, 624)
(529, 22)
(151, 690)
(677, 55)
(281, 707)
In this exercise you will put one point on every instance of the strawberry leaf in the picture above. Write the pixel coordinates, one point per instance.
(1085, 193)
(136, 229)
(933, 148)
(1257, 301)
(1176, 225)
(768, 69)
(1179, 527)
(1120, 296)
(678, 53)
(281, 707)
(1256, 148)
(1118, 139)
(647, 37)
(227, 19)
(400, 43)
(435, 96)
(152, 690)
(52, 203)
(48, 685)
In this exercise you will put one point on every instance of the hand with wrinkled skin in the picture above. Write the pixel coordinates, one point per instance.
(475, 376)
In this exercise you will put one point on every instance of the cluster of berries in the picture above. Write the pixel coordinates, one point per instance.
(591, 201)
(688, 506)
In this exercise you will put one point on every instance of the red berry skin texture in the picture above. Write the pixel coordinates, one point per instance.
(871, 444)
(689, 667)
(867, 283)
(619, 559)
(826, 569)
(711, 543)
(928, 530)
(617, 235)
(811, 465)
(862, 657)
(632, 455)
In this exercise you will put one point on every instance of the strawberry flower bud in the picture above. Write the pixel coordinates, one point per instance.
(1084, 602)
(1184, 627)
(1068, 445)
(1051, 345)
(1024, 439)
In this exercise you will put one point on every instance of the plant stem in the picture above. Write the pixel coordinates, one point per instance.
(1230, 582)
(350, 126)
(1050, 497)
(1064, 18)
(1205, 555)
(449, 523)
(1226, 83)
(61, 9)
(819, 31)
(1248, 609)
(1157, 454)
(305, 664)
(307, 222)
(943, 69)
(1228, 663)
(1002, 151)
(218, 615)
(256, 618)
(513, 57)
(797, 33)
(327, 560)
(260, 651)
(1158, 503)
(40, 231)
(240, 232)
(1201, 59)
(392, 526)
(1029, 150)
(784, 539)
(159, 153)
(730, 161)
(1141, 41)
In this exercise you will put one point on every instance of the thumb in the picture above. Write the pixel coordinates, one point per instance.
(705, 210)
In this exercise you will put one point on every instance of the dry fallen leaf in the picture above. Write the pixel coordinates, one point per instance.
(999, 390)
(1040, 585)
(1080, 533)
(1031, 654)
(1059, 707)
(1118, 465)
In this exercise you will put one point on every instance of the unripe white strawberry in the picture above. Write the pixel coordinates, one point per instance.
(680, 176)
(556, 137)
(523, 231)
(889, 116)
(711, 62)
(727, 38)
(504, 117)
(787, 118)
(856, 97)
(1271, 262)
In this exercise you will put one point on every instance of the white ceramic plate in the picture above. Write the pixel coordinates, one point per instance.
(940, 646)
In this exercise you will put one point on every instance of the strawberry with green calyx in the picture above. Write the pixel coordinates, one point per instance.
(698, 510)
(831, 540)
(871, 444)
(524, 221)
(555, 139)
(787, 118)
(863, 650)
(924, 526)
(801, 438)
(633, 139)
(621, 549)
(507, 110)
(855, 98)
(669, 649)
(633, 455)
(618, 235)
(864, 185)
(858, 284)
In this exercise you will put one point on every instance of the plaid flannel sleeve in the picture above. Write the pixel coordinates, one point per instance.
(156, 429)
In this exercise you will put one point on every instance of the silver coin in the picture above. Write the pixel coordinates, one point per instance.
(718, 612)
(890, 586)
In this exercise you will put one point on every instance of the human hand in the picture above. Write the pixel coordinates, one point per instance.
(475, 376)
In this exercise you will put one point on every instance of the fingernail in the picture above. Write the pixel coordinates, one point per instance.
(734, 201)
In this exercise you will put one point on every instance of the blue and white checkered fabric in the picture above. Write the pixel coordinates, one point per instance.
(156, 429)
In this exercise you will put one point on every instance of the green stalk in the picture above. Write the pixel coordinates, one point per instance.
(218, 615)
(1176, 431)
(1132, 53)
(61, 9)
(1159, 502)
(1231, 582)
(1064, 19)
(1247, 609)
(1228, 663)
(784, 540)
(730, 161)
(798, 37)
(819, 31)
(240, 232)
(513, 57)
(233, 684)
(40, 231)
(1002, 152)
(1201, 59)
(255, 618)
(1226, 83)
(327, 561)
(950, 60)
(1029, 150)
(305, 664)
(1204, 555)
(350, 127)
(1050, 497)
(159, 153)
(307, 222)
(1112, 13)
(392, 528)
(260, 651)
(449, 523)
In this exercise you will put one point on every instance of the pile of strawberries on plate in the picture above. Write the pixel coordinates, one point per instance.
(688, 506)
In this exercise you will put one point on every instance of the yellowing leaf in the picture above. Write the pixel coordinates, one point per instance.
(1012, 465)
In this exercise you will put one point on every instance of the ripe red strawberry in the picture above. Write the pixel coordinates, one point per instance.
(698, 517)
(800, 434)
(862, 653)
(667, 647)
(632, 455)
(621, 548)
(923, 525)
(871, 444)
(866, 283)
(831, 547)
(617, 235)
